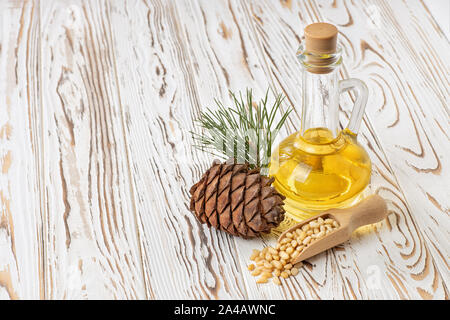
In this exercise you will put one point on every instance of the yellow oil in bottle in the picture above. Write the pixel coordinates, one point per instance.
(317, 171)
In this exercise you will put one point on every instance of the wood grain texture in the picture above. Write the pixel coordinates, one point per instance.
(21, 243)
(413, 72)
(91, 245)
(208, 28)
(162, 100)
(415, 259)
(98, 99)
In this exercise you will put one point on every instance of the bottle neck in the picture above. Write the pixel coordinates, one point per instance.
(320, 96)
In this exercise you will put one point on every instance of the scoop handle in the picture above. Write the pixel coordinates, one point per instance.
(371, 210)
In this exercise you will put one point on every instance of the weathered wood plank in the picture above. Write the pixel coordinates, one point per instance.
(199, 38)
(405, 248)
(160, 98)
(402, 57)
(437, 12)
(21, 246)
(92, 248)
(249, 66)
(98, 98)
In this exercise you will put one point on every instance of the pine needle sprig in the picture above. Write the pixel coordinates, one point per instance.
(244, 132)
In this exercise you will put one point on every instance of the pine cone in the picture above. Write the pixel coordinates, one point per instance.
(236, 199)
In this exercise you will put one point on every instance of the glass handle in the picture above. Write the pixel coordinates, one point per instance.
(360, 103)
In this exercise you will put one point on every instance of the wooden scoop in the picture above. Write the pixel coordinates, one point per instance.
(368, 211)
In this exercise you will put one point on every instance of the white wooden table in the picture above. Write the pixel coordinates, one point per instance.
(97, 99)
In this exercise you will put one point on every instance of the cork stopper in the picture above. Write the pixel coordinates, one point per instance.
(321, 38)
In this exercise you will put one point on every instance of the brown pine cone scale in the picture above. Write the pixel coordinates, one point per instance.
(236, 199)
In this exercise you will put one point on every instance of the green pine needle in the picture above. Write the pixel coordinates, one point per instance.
(244, 132)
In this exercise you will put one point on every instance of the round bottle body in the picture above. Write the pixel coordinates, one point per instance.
(316, 171)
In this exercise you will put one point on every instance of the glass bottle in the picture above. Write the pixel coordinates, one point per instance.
(320, 166)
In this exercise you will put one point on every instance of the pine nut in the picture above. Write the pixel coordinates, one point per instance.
(284, 255)
(313, 224)
(320, 220)
(320, 234)
(335, 224)
(278, 265)
(261, 280)
(307, 240)
(322, 228)
(256, 272)
(329, 221)
(275, 262)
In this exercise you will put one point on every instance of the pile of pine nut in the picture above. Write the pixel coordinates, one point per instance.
(277, 262)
